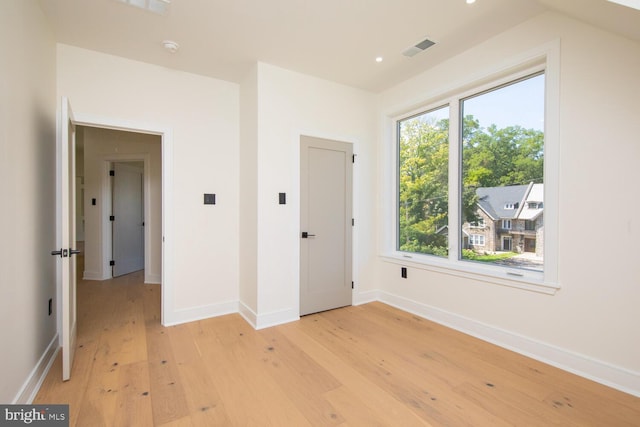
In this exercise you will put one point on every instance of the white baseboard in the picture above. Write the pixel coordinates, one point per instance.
(261, 321)
(93, 275)
(248, 314)
(275, 318)
(596, 370)
(365, 297)
(178, 317)
(152, 279)
(31, 386)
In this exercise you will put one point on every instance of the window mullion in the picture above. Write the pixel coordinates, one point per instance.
(454, 180)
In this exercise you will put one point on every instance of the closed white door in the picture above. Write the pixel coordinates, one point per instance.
(128, 218)
(326, 224)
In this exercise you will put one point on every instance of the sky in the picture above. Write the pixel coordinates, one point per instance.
(520, 103)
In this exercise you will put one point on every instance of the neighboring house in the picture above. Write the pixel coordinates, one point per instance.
(509, 219)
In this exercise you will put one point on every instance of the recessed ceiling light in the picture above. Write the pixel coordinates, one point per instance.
(634, 4)
(471, 1)
(379, 59)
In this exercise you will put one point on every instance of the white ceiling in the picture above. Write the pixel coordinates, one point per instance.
(336, 40)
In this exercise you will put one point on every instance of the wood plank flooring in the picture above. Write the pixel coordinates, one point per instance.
(370, 365)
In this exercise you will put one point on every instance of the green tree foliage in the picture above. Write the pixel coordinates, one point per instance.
(424, 174)
(492, 157)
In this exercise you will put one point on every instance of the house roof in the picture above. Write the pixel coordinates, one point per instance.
(494, 200)
(512, 202)
(535, 197)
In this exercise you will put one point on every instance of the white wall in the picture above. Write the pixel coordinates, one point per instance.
(27, 186)
(100, 147)
(593, 320)
(203, 116)
(289, 105)
(249, 194)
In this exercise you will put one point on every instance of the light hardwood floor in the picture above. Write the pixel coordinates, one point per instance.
(370, 365)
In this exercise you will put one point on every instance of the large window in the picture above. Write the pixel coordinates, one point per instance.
(423, 210)
(490, 143)
(503, 167)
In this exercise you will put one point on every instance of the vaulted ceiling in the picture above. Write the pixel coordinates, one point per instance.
(337, 40)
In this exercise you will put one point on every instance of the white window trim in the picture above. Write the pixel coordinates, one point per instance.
(479, 224)
(474, 237)
(546, 57)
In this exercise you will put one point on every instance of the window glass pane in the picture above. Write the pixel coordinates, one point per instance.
(423, 183)
(502, 175)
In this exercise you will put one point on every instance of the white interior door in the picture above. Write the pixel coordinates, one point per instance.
(128, 214)
(68, 229)
(325, 220)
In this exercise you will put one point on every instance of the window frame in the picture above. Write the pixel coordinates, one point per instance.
(481, 223)
(474, 237)
(545, 58)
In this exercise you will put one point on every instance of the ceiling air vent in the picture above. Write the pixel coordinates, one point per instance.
(418, 47)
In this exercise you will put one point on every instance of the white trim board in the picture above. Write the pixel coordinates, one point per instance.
(267, 320)
(200, 313)
(366, 297)
(152, 279)
(248, 314)
(595, 370)
(94, 275)
(34, 381)
(276, 318)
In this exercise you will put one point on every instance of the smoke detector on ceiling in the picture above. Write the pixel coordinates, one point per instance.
(421, 46)
(171, 46)
(155, 6)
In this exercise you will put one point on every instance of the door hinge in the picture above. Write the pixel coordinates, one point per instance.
(353, 222)
(112, 218)
(112, 263)
(353, 158)
(112, 173)
(352, 284)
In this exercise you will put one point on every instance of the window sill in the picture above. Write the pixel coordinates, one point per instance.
(514, 278)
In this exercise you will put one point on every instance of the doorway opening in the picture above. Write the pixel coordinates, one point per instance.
(121, 170)
(96, 255)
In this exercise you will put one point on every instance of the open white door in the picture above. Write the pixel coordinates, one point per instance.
(67, 279)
